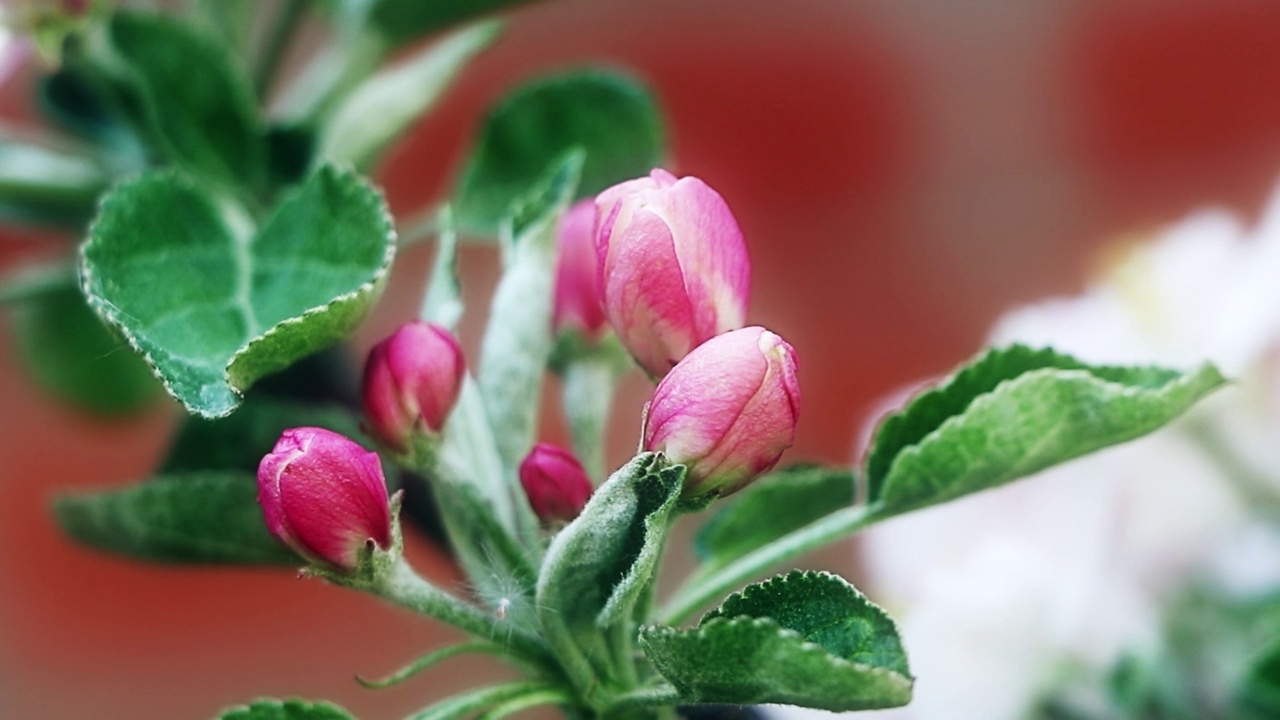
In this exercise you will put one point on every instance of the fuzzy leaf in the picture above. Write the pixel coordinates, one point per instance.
(1015, 411)
(213, 306)
(610, 116)
(285, 710)
(518, 340)
(598, 566)
(776, 504)
(806, 638)
(198, 517)
(195, 97)
(379, 110)
(68, 350)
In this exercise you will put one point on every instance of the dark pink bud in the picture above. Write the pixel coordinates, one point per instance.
(555, 482)
(727, 411)
(577, 299)
(412, 378)
(672, 266)
(324, 496)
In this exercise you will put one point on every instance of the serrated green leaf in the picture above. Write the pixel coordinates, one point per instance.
(195, 97)
(612, 117)
(1015, 411)
(518, 340)
(598, 566)
(42, 185)
(807, 639)
(400, 21)
(65, 346)
(197, 517)
(381, 108)
(212, 306)
(286, 710)
(240, 441)
(776, 504)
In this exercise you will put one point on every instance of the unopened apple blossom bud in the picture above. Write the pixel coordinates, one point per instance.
(672, 266)
(727, 411)
(411, 382)
(324, 496)
(555, 482)
(577, 299)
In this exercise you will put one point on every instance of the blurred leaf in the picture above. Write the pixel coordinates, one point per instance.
(610, 116)
(197, 517)
(776, 504)
(384, 106)
(42, 185)
(1015, 411)
(195, 95)
(400, 21)
(65, 346)
(806, 638)
(285, 710)
(214, 306)
(290, 151)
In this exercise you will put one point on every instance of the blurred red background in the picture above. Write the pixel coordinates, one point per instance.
(902, 170)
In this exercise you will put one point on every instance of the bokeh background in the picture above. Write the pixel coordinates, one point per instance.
(903, 171)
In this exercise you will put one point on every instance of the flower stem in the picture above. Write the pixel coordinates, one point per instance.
(703, 589)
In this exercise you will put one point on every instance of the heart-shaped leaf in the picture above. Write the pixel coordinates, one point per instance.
(609, 116)
(286, 710)
(1015, 411)
(806, 638)
(199, 517)
(212, 305)
(776, 504)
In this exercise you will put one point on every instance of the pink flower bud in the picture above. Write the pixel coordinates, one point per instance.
(672, 266)
(555, 482)
(727, 410)
(412, 377)
(577, 301)
(324, 496)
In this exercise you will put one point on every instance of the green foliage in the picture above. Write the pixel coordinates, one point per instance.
(610, 116)
(213, 305)
(776, 504)
(70, 352)
(194, 97)
(807, 639)
(1259, 695)
(1015, 411)
(195, 517)
(399, 21)
(285, 710)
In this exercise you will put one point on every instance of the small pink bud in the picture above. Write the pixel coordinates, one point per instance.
(324, 496)
(412, 377)
(577, 300)
(727, 410)
(555, 482)
(672, 266)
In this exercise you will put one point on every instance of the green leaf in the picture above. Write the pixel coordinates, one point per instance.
(42, 185)
(68, 350)
(776, 504)
(196, 517)
(195, 97)
(1259, 694)
(240, 441)
(1015, 411)
(381, 108)
(399, 21)
(610, 116)
(599, 565)
(518, 340)
(806, 638)
(212, 306)
(286, 710)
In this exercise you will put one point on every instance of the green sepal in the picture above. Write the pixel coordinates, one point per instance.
(772, 506)
(598, 566)
(194, 517)
(1012, 412)
(806, 638)
(610, 116)
(213, 305)
(286, 710)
